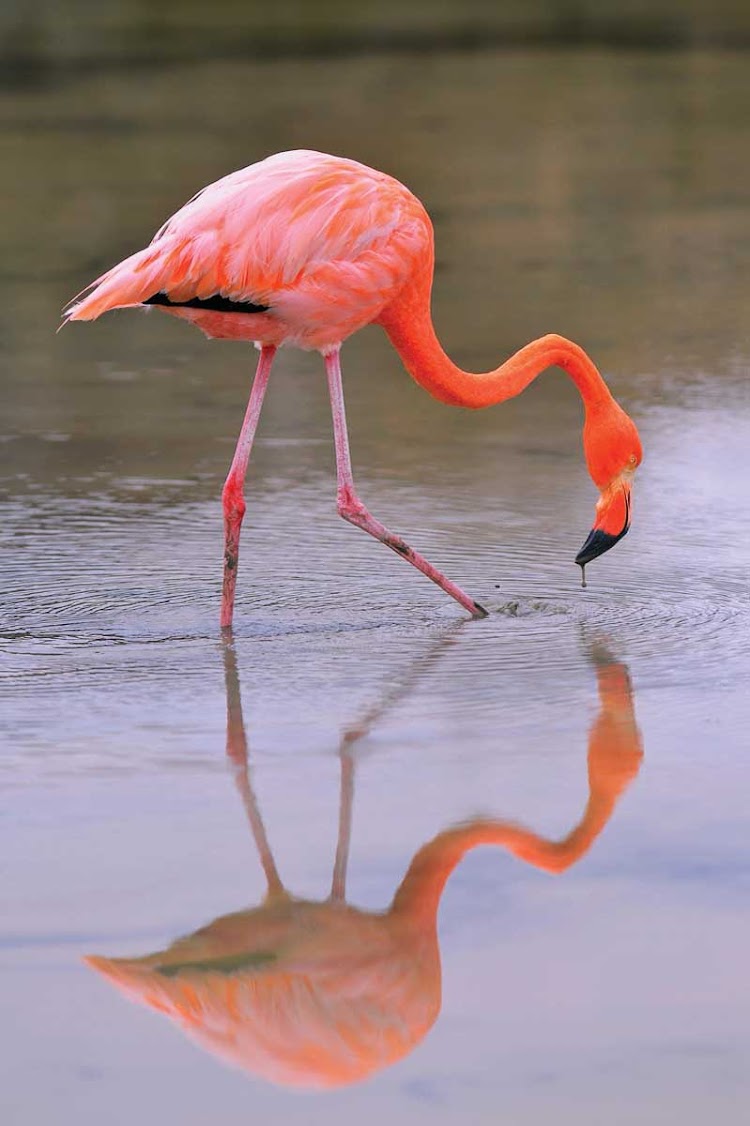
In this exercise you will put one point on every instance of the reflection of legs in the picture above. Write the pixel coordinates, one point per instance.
(232, 496)
(352, 508)
(346, 799)
(237, 754)
(360, 730)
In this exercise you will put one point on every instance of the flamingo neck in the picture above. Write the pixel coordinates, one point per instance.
(418, 896)
(409, 326)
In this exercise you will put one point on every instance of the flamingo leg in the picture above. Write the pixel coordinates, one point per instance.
(352, 509)
(232, 496)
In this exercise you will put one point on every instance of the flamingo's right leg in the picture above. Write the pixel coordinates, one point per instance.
(352, 509)
(232, 496)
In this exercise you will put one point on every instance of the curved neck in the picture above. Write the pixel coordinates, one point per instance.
(614, 757)
(409, 326)
(418, 895)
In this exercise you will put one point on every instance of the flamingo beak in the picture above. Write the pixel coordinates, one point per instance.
(611, 524)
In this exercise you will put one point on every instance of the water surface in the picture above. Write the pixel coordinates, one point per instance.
(601, 195)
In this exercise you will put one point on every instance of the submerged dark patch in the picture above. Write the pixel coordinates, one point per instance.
(230, 963)
(215, 304)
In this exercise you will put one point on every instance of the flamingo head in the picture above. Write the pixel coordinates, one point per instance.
(613, 453)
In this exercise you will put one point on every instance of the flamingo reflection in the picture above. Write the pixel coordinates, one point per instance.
(321, 994)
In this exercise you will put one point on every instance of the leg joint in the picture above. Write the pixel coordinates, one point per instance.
(349, 505)
(233, 500)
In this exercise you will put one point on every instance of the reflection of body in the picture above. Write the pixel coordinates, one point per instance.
(322, 994)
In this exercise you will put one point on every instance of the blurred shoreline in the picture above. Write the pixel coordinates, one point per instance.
(43, 42)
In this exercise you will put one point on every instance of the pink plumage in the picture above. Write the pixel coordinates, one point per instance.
(304, 249)
(326, 243)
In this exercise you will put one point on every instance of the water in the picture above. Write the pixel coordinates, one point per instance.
(595, 194)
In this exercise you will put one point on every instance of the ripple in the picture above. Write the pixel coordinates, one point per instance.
(110, 609)
(659, 622)
(101, 572)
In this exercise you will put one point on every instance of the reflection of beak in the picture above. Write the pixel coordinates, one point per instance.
(611, 524)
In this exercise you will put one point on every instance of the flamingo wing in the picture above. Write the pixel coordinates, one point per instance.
(321, 242)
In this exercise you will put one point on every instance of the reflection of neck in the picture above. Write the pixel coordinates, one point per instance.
(419, 895)
(614, 758)
(409, 327)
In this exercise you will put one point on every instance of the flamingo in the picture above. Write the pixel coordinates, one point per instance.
(304, 249)
(322, 994)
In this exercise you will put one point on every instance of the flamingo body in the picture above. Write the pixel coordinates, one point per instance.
(323, 243)
(305, 249)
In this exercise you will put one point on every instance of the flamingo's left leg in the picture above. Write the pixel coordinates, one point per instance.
(352, 509)
(232, 496)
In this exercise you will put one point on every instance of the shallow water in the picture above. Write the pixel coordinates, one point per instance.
(599, 195)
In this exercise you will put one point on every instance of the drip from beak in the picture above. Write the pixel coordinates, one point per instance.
(612, 523)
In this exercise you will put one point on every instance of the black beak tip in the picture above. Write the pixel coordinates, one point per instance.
(596, 544)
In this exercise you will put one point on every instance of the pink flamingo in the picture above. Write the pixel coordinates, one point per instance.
(304, 249)
(323, 994)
